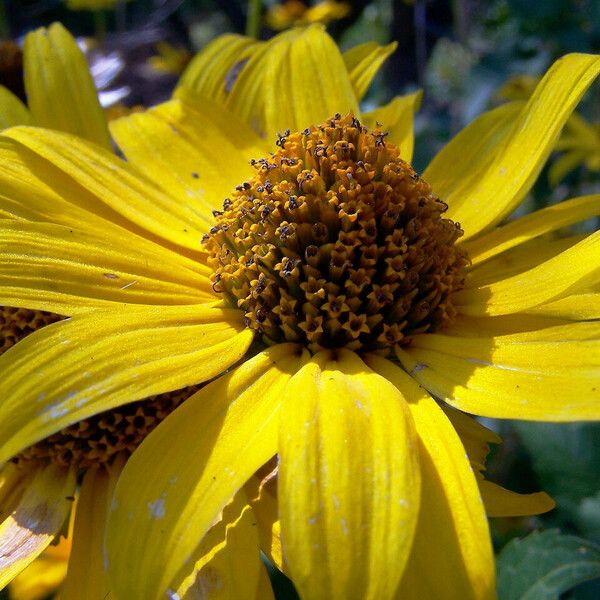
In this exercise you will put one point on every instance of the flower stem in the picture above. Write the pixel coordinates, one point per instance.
(253, 19)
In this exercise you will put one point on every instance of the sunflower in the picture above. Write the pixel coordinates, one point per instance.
(342, 321)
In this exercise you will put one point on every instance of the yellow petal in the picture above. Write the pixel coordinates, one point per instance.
(92, 362)
(524, 328)
(43, 576)
(213, 71)
(487, 327)
(201, 455)
(64, 270)
(262, 493)
(496, 188)
(86, 576)
(500, 502)
(397, 118)
(12, 110)
(452, 554)
(532, 225)
(363, 63)
(519, 259)
(229, 565)
(296, 80)
(576, 307)
(60, 90)
(348, 480)
(31, 518)
(192, 149)
(550, 380)
(575, 268)
(110, 185)
(456, 170)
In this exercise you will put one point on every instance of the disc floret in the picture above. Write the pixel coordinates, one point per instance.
(337, 242)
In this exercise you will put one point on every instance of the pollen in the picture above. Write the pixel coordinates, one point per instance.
(337, 242)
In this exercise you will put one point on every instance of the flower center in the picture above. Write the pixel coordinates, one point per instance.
(337, 242)
(100, 438)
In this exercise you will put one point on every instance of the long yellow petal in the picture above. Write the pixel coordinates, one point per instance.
(524, 328)
(532, 225)
(296, 80)
(192, 149)
(513, 379)
(348, 480)
(12, 110)
(576, 307)
(43, 576)
(498, 501)
(364, 62)
(201, 455)
(456, 169)
(397, 118)
(31, 521)
(570, 271)
(92, 362)
(262, 493)
(452, 557)
(60, 89)
(86, 577)
(495, 190)
(64, 270)
(110, 185)
(519, 259)
(228, 566)
(213, 71)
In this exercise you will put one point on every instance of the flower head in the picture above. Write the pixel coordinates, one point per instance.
(327, 303)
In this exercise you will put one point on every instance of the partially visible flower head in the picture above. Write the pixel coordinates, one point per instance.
(337, 242)
(294, 12)
(92, 4)
(518, 87)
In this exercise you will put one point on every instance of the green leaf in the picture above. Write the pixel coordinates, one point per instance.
(566, 459)
(544, 565)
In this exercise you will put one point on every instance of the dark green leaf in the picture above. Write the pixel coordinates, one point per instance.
(544, 565)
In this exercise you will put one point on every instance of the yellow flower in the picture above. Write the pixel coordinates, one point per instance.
(328, 300)
(579, 141)
(60, 89)
(92, 4)
(169, 59)
(293, 12)
(518, 87)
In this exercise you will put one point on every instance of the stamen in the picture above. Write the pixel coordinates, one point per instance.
(337, 243)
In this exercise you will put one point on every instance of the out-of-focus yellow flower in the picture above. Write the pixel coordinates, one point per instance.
(293, 12)
(518, 87)
(343, 317)
(93, 4)
(579, 145)
(170, 59)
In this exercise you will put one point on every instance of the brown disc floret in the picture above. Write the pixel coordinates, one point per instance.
(337, 242)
